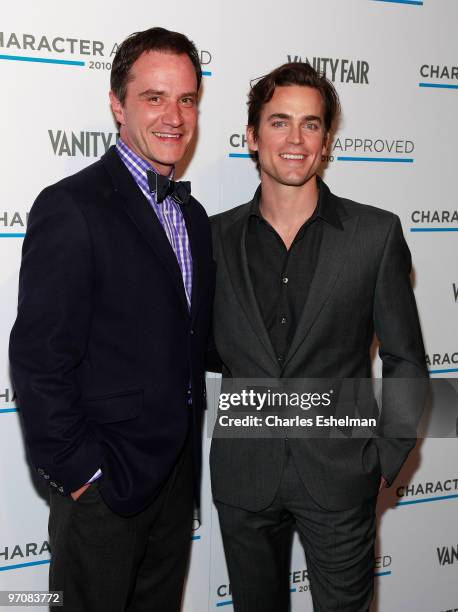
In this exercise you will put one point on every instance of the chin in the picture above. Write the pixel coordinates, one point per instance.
(294, 182)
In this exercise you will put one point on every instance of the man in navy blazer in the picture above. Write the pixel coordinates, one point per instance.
(107, 351)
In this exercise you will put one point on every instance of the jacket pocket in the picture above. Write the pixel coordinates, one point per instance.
(114, 407)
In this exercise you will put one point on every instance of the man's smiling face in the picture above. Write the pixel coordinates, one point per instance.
(158, 117)
(291, 137)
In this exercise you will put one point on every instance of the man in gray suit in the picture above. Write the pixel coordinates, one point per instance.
(304, 280)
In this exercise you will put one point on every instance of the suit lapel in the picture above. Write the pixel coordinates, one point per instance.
(130, 198)
(333, 253)
(234, 250)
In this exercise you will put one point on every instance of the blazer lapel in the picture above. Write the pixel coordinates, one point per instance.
(129, 197)
(333, 253)
(234, 250)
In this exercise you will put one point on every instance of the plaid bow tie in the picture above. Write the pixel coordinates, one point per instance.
(162, 186)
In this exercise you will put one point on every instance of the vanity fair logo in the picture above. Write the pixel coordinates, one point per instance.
(447, 555)
(82, 143)
(338, 70)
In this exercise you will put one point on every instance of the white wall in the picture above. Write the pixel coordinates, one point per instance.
(42, 104)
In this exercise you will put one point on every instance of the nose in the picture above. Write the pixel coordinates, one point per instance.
(172, 116)
(295, 135)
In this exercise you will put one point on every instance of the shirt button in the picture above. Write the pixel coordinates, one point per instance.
(192, 332)
(283, 320)
(285, 279)
(189, 391)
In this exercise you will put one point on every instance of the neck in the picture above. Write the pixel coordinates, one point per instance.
(286, 205)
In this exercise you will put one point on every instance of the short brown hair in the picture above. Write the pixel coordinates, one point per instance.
(154, 39)
(293, 73)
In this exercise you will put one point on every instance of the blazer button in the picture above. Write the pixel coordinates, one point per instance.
(192, 332)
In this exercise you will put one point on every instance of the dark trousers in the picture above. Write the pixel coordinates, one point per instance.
(339, 548)
(103, 561)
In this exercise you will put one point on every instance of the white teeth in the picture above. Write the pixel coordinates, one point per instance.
(291, 156)
(161, 135)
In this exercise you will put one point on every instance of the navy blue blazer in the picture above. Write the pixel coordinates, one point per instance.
(104, 348)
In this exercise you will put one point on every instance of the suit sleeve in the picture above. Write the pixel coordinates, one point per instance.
(402, 353)
(49, 340)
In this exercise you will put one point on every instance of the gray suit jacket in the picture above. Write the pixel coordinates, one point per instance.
(361, 286)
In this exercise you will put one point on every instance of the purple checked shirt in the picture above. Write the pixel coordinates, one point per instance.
(168, 212)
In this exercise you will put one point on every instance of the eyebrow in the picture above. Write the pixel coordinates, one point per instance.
(156, 92)
(286, 116)
(150, 92)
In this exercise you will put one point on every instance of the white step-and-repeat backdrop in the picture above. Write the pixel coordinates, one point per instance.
(395, 66)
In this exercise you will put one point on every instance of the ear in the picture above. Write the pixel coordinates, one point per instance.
(117, 108)
(251, 138)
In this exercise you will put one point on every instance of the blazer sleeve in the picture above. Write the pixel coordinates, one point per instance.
(402, 353)
(49, 340)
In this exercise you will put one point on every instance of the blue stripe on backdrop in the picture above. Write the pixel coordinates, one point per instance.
(389, 160)
(41, 60)
(416, 2)
(438, 85)
(22, 565)
(427, 499)
(434, 229)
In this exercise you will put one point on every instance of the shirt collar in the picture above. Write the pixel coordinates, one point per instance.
(136, 164)
(324, 208)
